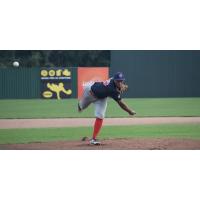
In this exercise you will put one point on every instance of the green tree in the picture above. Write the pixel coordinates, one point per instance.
(50, 58)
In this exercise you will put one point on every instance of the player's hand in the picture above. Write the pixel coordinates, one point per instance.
(132, 112)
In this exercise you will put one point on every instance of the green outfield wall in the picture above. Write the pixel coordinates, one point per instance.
(19, 83)
(148, 73)
(25, 83)
(159, 73)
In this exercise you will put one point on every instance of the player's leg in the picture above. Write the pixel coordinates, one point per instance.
(100, 110)
(86, 98)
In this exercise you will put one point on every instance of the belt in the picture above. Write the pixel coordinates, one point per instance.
(92, 93)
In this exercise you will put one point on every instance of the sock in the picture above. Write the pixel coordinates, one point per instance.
(97, 127)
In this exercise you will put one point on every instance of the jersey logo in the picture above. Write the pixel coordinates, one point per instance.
(120, 75)
(106, 82)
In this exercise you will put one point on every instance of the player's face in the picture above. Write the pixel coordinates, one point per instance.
(118, 83)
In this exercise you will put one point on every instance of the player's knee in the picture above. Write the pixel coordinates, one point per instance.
(100, 115)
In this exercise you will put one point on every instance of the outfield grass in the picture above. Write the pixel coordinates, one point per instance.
(11, 136)
(38, 108)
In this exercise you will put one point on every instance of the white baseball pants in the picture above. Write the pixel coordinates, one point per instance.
(100, 105)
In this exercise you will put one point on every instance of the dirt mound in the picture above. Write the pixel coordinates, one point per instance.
(112, 144)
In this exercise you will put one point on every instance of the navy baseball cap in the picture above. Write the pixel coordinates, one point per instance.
(119, 76)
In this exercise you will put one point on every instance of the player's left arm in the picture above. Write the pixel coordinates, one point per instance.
(125, 107)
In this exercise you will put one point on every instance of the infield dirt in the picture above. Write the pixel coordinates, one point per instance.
(84, 122)
(112, 144)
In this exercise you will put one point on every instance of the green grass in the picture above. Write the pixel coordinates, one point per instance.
(38, 108)
(11, 136)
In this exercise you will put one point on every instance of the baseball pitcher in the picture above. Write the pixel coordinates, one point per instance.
(97, 93)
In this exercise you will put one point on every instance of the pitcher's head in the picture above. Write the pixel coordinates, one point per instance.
(119, 76)
(119, 79)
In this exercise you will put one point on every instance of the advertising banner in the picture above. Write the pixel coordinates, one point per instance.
(90, 74)
(56, 83)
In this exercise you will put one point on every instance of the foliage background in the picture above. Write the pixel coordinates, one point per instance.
(52, 58)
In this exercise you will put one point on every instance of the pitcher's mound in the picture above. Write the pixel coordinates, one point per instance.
(113, 144)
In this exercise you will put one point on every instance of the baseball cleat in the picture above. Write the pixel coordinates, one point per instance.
(94, 142)
(79, 108)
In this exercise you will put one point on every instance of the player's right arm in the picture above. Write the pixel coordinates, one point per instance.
(125, 107)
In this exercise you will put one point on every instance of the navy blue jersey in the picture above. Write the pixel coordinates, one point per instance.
(106, 89)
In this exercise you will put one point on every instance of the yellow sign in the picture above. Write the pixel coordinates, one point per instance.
(66, 72)
(58, 88)
(44, 73)
(55, 83)
(47, 94)
(53, 72)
